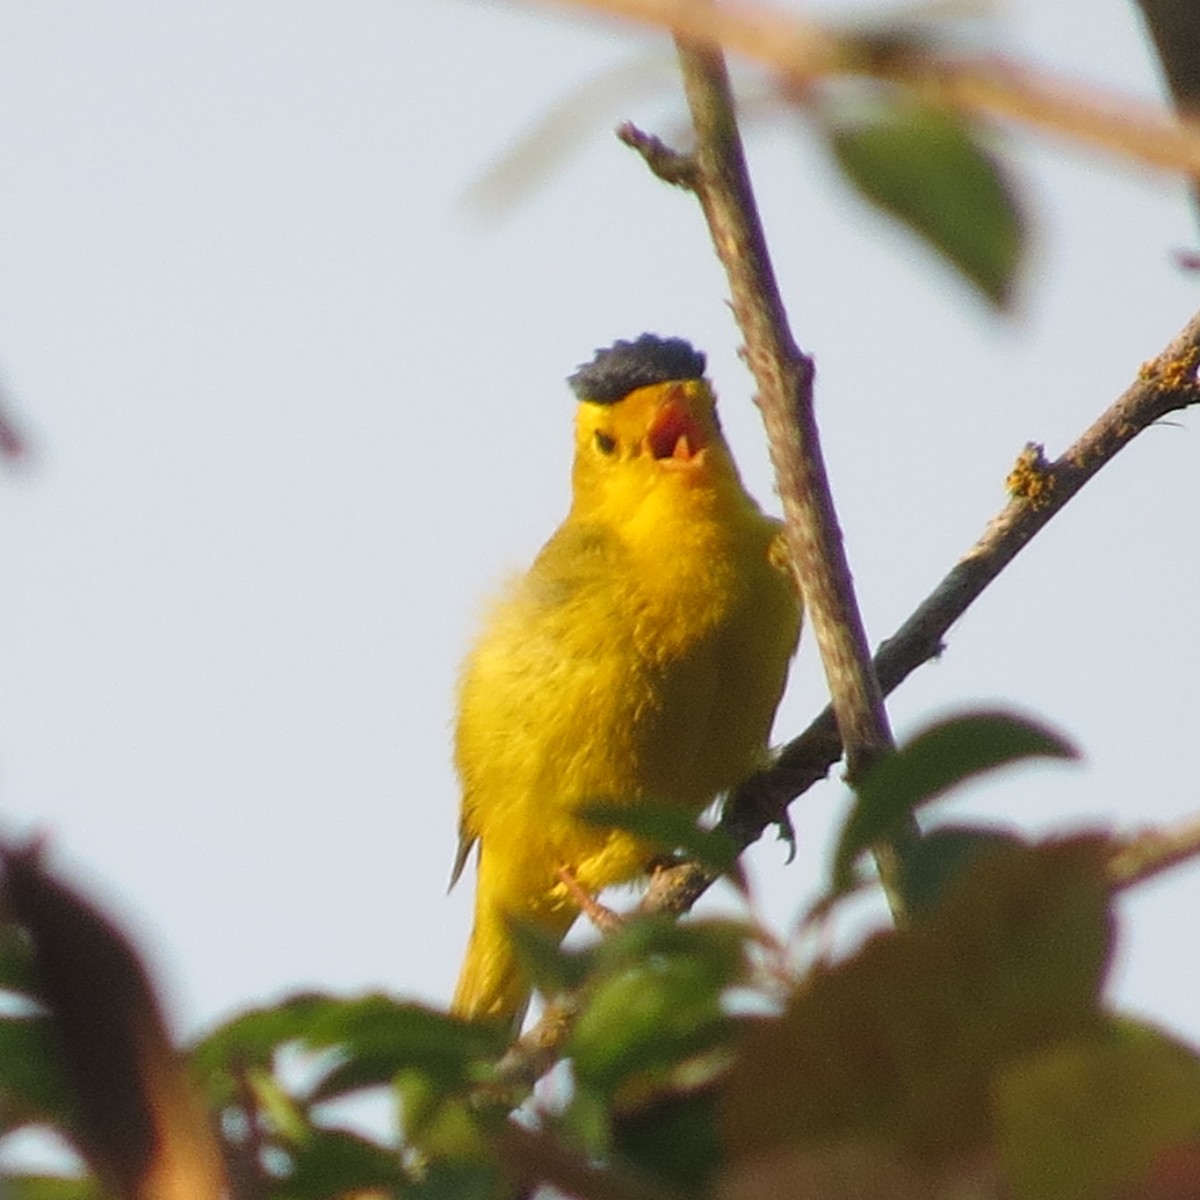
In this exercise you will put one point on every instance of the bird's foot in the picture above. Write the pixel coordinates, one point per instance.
(603, 918)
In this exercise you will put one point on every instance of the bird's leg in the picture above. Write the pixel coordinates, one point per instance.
(603, 918)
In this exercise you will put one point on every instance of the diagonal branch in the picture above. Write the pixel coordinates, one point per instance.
(1038, 491)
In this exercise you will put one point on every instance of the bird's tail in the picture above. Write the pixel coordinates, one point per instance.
(491, 984)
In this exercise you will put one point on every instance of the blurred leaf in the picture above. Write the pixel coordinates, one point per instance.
(544, 961)
(1173, 1175)
(1086, 1116)
(718, 944)
(931, 763)
(674, 1137)
(438, 1124)
(848, 1170)
(33, 1086)
(285, 1116)
(1174, 26)
(670, 829)
(924, 166)
(586, 1123)
(456, 1180)
(382, 1036)
(251, 1039)
(377, 1035)
(332, 1163)
(50, 1187)
(655, 1001)
(532, 160)
(139, 1125)
(937, 858)
(902, 1041)
(16, 962)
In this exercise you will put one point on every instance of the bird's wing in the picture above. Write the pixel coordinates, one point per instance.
(532, 635)
(466, 842)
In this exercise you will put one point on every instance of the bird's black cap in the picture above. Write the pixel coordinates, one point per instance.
(626, 366)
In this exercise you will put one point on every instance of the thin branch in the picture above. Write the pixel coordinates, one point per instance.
(1152, 852)
(783, 375)
(805, 51)
(669, 165)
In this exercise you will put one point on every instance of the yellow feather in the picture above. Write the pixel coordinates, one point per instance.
(641, 658)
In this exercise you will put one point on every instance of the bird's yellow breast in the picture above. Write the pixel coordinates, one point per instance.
(639, 659)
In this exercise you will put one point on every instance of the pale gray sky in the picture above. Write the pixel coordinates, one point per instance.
(295, 414)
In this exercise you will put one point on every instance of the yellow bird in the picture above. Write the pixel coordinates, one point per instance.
(640, 659)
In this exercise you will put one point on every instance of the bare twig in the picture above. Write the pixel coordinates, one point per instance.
(1153, 851)
(669, 165)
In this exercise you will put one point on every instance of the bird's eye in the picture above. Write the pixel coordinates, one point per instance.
(604, 443)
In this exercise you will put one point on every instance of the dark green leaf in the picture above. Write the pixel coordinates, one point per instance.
(458, 1180)
(925, 167)
(931, 763)
(33, 1084)
(669, 829)
(16, 962)
(333, 1162)
(378, 1036)
(252, 1038)
(674, 1138)
(935, 861)
(381, 1036)
(544, 961)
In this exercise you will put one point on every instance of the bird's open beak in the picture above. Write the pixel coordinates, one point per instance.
(675, 432)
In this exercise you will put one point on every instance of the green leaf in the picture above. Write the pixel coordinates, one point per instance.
(386, 1036)
(50, 1187)
(1088, 1117)
(334, 1162)
(587, 1122)
(926, 168)
(903, 1042)
(675, 1138)
(544, 961)
(33, 1085)
(251, 1039)
(439, 1125)
(457, 1180)
(16, 962)
(654, 1002)
(932, 762)
(669, 829)
(285, 1116)
(377, 1034)
(934, 861)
